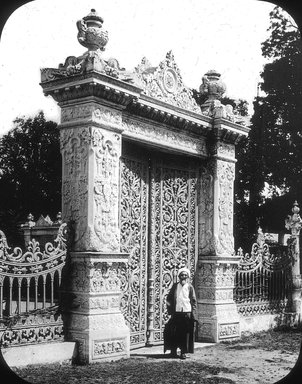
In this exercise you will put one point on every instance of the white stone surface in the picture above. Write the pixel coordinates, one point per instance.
(39, 354)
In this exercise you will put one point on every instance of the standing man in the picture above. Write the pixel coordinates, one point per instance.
(181, 305)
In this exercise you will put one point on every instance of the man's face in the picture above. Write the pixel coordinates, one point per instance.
(183, 277)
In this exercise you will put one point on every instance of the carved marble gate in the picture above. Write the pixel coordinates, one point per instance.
(158, 228)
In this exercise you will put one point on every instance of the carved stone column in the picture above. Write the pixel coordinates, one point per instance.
(294, 224)
(217, 312)
(91, 101)
(91, 148)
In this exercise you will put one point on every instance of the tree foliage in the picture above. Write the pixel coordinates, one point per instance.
(272, 153)
(30, 172)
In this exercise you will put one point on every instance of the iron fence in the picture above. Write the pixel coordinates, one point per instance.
(29, 291)
(263, 281)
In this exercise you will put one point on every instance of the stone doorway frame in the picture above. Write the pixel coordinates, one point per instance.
(101, 105)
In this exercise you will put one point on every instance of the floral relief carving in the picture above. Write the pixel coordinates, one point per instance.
(94, 112)
(106, 189)
(87, 276)
(206, 207)
(134, 224)
(101, 348)
(224, 241)
(173, 201)
(106, 115)
(227, 150)
(228, 330)
(76, 113)
(216, 281)
(225, 294)
(76, 144)
(107, 322)
(162, 136)
(165, 83)
(75, 173)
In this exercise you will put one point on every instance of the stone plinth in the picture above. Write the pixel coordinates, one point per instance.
(217, 312)
(92, 305)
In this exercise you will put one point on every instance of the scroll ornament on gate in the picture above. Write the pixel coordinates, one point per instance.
(33, 261)
(92, 36)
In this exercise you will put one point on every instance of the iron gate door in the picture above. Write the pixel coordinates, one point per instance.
(158, 221)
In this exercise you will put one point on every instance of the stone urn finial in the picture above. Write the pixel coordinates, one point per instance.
(212, 86)
(294, 221)
(91, 35)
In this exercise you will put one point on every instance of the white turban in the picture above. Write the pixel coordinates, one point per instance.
(186, 270)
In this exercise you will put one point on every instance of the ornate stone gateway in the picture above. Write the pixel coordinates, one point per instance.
(141, 211)
(158, 189)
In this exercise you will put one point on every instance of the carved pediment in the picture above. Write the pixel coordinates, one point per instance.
(165, 83)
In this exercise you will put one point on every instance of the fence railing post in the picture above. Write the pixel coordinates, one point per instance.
(294, 223)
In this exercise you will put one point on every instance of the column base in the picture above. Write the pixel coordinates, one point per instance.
(92, 316)
(217, 312)
(102, 338)
(220, 322)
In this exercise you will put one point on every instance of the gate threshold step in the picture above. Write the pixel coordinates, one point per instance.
(159, 350)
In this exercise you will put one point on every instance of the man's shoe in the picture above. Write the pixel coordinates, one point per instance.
(183, 356)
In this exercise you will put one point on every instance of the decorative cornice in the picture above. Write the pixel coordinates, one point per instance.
(131, 99)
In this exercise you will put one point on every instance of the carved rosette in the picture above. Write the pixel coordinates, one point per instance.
(165, 83)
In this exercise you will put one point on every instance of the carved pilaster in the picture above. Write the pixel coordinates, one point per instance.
(91, 148)
(217, 311)
(90, 176)
(216, 204)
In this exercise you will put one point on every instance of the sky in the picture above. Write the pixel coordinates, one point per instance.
(224, 35)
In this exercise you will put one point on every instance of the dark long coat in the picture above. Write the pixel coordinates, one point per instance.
(169, 332)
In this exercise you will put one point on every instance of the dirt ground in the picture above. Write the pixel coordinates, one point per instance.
(264, 358)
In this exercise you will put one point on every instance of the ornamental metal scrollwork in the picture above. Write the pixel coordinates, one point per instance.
(133, 224)
(14, 262)
(173, 201)
(259, 273)
(34, 272)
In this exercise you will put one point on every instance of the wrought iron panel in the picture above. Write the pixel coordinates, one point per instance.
(173, 232)
(133, 225)
(263, 281)
(29, 289)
